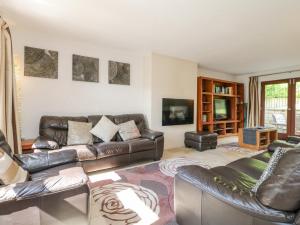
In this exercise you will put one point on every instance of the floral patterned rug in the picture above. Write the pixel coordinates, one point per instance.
(143, 194)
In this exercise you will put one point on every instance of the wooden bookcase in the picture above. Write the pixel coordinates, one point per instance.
(209, 89)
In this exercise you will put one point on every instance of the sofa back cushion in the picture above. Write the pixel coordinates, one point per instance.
(56, 128)
(281, 190)
(139, 120)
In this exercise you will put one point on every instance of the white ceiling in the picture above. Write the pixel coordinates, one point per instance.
(233, 36)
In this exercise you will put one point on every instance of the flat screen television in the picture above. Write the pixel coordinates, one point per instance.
(177, 111)
(221, 109)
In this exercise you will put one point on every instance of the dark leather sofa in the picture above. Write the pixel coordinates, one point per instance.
(57, 192)
(104, 155)
(223, 196)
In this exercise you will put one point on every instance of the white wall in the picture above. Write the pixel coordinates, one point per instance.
(153, 77)
(172, 78)
(63, 96)
(175, 78)
(215, 74)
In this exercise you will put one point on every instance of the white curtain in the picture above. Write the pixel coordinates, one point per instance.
(8, 105)
(253, 110)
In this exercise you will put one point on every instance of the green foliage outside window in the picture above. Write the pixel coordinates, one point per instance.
(280, 90)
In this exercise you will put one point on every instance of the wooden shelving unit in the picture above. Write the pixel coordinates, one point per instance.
(205, 107)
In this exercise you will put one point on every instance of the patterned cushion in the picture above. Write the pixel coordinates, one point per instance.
(279, 152)
(129, 130)
(10, 171)
(79, 133)
(105, 129)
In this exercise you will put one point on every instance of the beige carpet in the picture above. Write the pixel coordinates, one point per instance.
(224, 154)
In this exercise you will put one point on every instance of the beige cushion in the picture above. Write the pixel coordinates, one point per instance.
(84, 152)
(79, 133)
(105, 129)
(10, 171)
(129, 130)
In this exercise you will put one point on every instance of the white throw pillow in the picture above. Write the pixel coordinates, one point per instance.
(105, 129)
(129, 130)
(78, 133)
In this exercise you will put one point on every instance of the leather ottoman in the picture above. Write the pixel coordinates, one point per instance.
(200, 140)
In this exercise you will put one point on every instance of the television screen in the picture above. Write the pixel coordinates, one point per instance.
(221, 109)
(177, 111)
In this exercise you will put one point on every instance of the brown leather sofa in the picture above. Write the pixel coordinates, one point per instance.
(223, 196)
(104, 155)
(57, 191)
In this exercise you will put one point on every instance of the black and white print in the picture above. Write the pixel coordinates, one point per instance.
(118, 73)
(40, 63)
(85, 68)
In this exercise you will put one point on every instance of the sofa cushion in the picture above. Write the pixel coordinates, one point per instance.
(79, 133)
(10, 171)
(56, 128)
(56, 179)
(105, 129)
(129, 130)
(139, 145)
(54, 171)
(84, 152)
(281, 190)
(270, 167)
(265, 156)
(111, 149)
(236, 178)
(252, 167)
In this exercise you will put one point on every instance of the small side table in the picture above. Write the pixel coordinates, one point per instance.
(27, 146)
(257, 138)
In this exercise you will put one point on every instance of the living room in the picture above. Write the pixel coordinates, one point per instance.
(149, 112)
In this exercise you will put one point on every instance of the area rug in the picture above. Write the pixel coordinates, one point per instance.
(143, 194)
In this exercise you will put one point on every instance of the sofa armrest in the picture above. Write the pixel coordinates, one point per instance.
(293, 139)
(38, 161)
(44, 143)
(151, 134)
(280, 144)
(225, 191)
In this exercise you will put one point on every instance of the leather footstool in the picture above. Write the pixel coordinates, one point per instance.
(200, 140)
